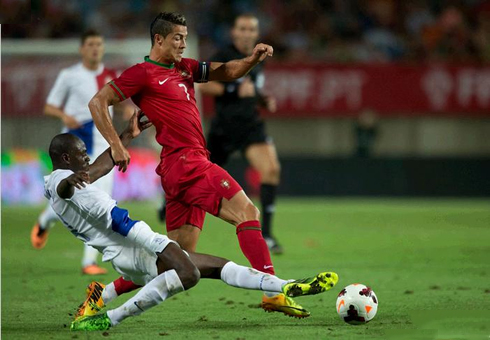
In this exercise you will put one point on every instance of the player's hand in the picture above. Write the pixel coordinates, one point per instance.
(136, 124)
(121, 157)
(246, 88)
(70, 122)
(261, 51)
(79, 179)
(270, 103)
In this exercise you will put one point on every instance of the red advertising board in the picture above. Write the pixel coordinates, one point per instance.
(340, 90)
(304, 90)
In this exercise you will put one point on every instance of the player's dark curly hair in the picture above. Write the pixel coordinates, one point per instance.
(164, 23)
(60, 144)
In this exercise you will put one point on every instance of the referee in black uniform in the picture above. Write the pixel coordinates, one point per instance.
(237, 125)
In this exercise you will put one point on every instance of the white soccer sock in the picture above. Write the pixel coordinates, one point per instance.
(270, 294)
(90, 255)
(47, 218)
(156, 291)
(249, 278)
(109, 293)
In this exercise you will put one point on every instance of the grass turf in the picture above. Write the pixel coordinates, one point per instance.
(427, 261)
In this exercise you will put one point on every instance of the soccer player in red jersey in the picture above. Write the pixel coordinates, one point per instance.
(163, 87)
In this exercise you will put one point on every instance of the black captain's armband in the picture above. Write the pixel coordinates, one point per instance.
(202, 75)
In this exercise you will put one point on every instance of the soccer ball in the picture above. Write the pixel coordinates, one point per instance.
(357, 304)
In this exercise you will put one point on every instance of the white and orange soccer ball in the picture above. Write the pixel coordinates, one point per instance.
(357, 304)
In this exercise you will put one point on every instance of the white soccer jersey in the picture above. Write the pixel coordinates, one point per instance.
(87, 214)
(72, 91)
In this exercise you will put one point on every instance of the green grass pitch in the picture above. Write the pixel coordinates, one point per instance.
(427, 260)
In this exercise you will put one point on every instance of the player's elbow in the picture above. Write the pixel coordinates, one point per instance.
(96, 106)
(93, 104)
(49, 110)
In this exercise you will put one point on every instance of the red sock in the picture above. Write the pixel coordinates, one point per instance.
(123, 286)
(254, 247)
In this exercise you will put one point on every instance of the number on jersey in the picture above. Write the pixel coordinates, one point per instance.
(185, 90)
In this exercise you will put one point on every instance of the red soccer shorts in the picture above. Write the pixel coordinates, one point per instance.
(193, 186)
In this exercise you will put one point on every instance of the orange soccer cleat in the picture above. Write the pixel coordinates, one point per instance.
(93, 303)
(93, 269)
(39, 237)
(284, 304)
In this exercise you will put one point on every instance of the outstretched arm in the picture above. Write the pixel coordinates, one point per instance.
(99, 108)
(78, 180)
(235, 69)
(104, 163)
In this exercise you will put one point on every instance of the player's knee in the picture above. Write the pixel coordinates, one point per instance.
(189, 276)
(251, 213)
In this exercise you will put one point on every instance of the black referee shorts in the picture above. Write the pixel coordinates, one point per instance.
(225, 139)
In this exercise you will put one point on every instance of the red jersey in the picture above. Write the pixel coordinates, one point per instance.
(165, 93)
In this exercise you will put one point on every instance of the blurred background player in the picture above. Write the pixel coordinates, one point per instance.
(68, 101)
(237, 125)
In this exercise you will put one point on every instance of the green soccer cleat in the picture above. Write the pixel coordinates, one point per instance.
(312, 285)
(99, 322)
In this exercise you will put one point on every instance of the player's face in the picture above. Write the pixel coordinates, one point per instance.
(245, 34)
(174, 44)
(92, 50)
(79, 160)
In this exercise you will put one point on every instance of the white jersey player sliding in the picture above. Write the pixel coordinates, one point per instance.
(68, 101)
(136, 252)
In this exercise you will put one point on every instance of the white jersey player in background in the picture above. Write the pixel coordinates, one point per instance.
(68, 101)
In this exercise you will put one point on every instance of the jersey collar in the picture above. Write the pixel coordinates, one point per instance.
(169, 66)
(98, 71)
